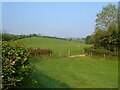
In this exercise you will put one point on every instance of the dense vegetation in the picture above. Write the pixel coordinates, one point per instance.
(40, 52)
(8, 37)
(106, 30)
(13, 37)
(15, 64)
(89, 39)
(99, 52)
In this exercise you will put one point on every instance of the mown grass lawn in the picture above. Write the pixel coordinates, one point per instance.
(85, 72)
(65, 72)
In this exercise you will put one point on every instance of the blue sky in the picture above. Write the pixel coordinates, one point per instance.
(55, 19)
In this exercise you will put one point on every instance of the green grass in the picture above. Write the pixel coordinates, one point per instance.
(59, 47)
(83, 72)
(63, 72)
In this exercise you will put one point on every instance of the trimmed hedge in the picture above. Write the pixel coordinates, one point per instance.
(99, 51)
(15, 64)
(40, 52)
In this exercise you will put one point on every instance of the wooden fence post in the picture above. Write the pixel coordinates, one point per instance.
(83, 51)
(104, 56)
(91, 54)
(50, 54)
(68, 52)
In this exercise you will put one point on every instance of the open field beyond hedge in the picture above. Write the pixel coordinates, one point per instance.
(60, 48)
(60, 71)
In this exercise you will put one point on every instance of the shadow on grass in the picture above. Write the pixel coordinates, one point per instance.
(40, 80)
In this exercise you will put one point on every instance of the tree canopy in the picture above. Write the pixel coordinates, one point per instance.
(107, 17)
(106, 28)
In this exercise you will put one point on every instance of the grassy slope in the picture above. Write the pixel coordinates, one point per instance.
(85, 72)
(59, 47)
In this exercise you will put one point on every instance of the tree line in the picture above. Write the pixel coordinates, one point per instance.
(12, 37)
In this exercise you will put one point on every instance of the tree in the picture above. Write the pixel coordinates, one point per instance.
(89, 40)
(106, 31)
(107, 17)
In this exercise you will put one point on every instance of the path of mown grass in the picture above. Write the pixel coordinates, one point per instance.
(85, 72)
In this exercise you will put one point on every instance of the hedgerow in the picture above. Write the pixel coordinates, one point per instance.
(99, 51)
(15, 64)
(9, 37)
(40, 52)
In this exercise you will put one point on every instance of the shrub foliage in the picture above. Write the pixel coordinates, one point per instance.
(15, 64)
(106, 32)
(40, 52)
(99, 51)
(9, 37)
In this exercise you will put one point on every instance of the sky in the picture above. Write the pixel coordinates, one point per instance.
(60, 19)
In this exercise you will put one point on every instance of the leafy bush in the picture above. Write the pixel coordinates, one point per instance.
(40, 52)
(89, 39)
(9, 37)
(99, 51)
(15, 64)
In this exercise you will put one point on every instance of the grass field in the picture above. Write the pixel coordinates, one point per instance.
(60, 48)
(66, 72)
